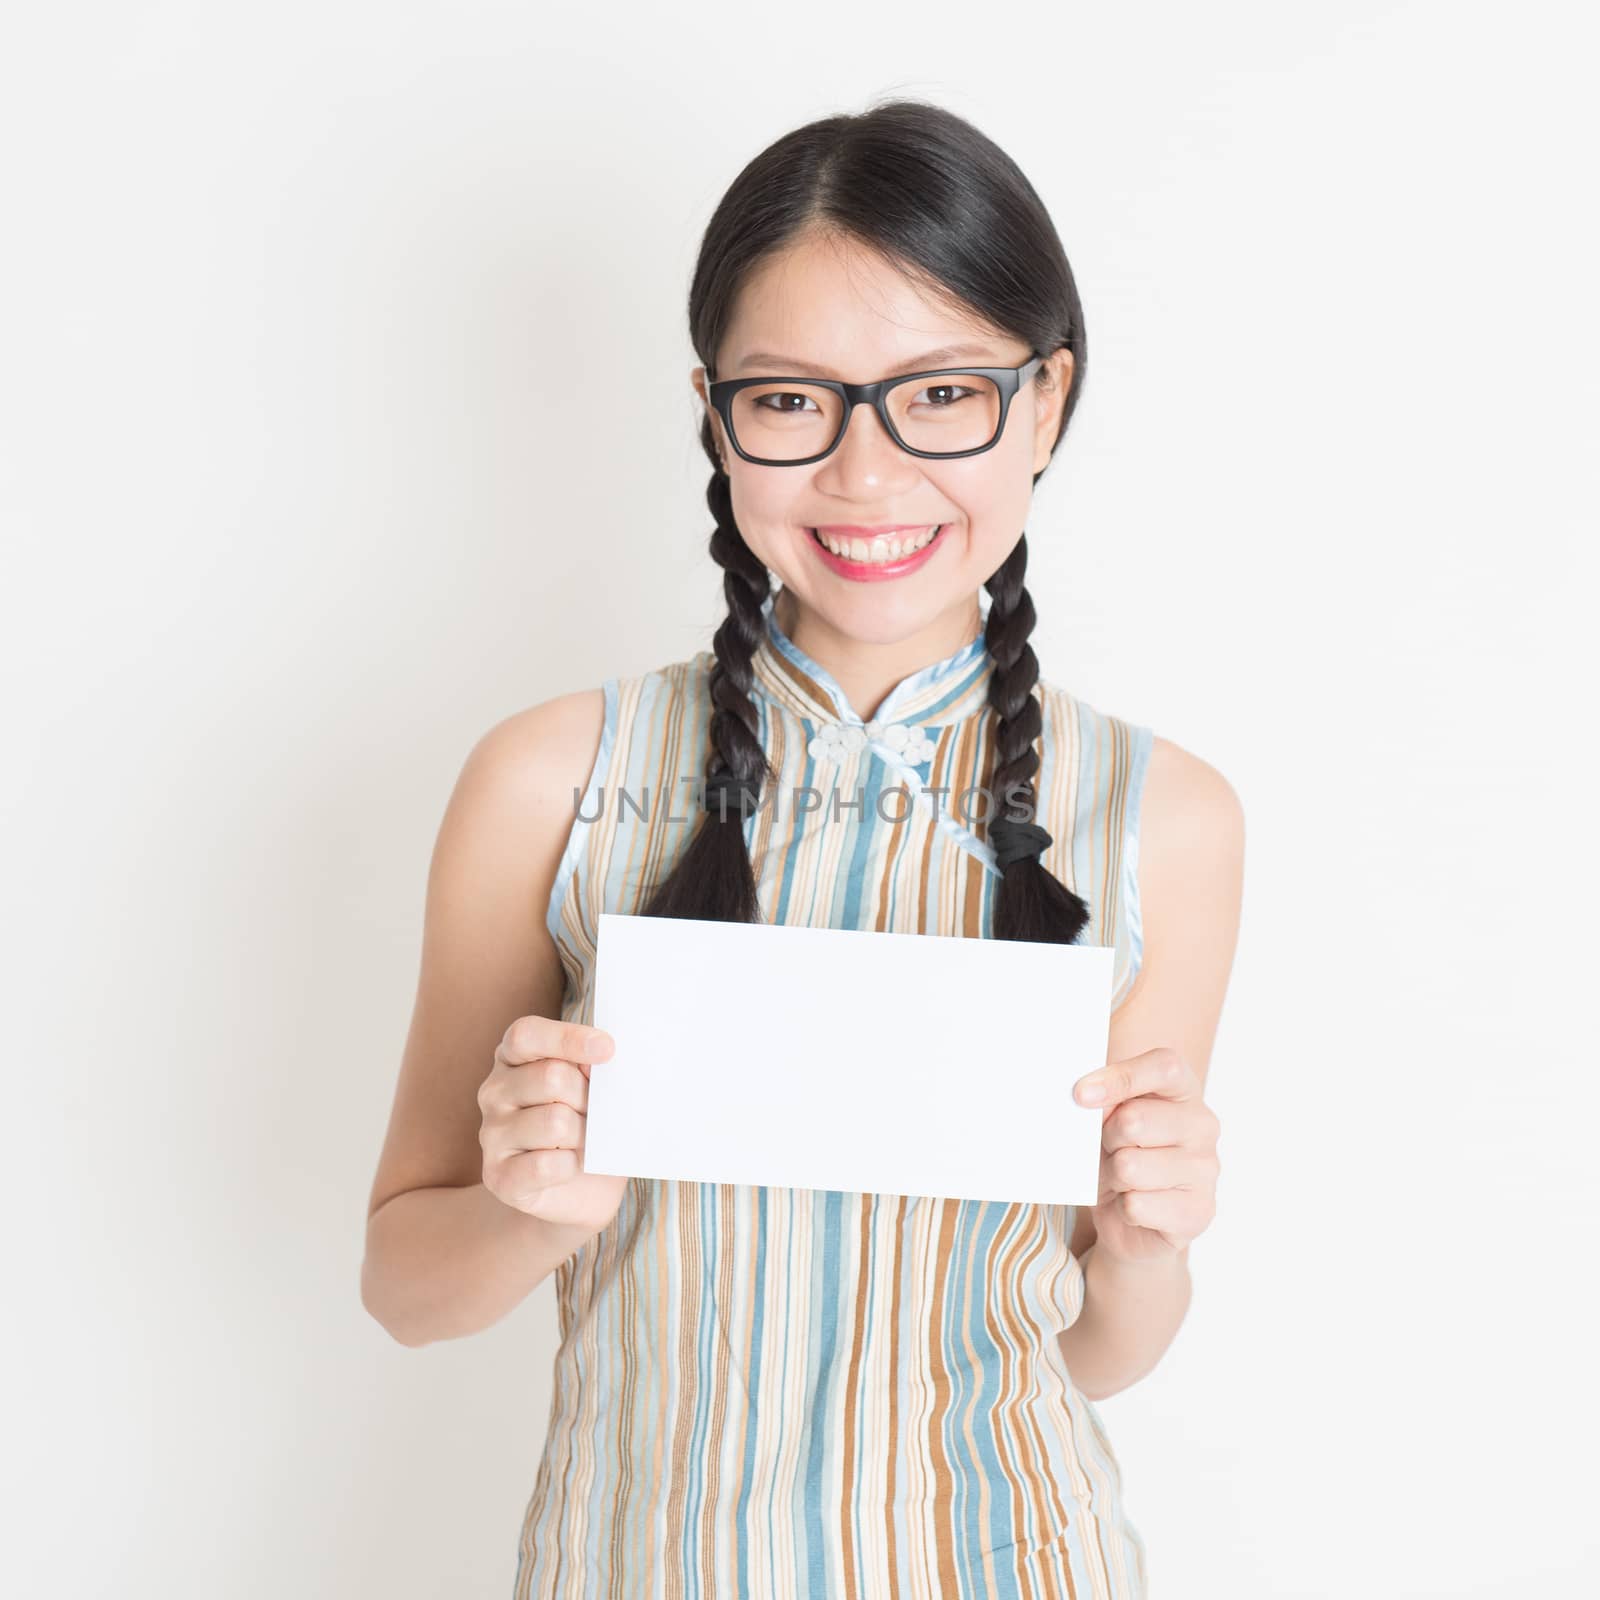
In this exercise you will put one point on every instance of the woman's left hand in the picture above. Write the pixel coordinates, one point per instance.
(1158, 1156)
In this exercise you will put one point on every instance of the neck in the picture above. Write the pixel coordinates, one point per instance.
(867, 672)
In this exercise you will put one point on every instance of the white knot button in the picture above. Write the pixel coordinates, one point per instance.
(837, 741)
(911, 744)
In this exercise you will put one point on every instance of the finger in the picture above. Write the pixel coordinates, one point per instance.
(549, 1079)
(1183, 1214)
(547, 1127)
(1150, 1120)
(524, 1173)
(1168, 1166)
(532, 1038)
(1161, 1071)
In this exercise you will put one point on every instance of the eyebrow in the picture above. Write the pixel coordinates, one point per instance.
(782, 366)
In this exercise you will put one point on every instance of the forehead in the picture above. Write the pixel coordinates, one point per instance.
(838, 308)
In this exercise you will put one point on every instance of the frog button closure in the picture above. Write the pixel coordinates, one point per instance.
(911, 744)
(837, 741)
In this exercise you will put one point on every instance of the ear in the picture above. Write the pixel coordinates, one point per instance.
(1050, 399)
(697, 376)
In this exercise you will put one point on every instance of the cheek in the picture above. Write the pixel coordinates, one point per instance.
(763, 500)
(770, 511)
(992, 498)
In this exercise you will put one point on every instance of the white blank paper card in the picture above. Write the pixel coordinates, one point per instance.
(827, 1058)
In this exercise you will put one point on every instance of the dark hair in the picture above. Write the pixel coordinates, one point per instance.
(924, 187)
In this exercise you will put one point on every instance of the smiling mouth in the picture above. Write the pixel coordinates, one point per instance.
(880, 551)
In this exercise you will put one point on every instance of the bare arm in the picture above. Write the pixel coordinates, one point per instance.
(445, 1256)
(1191, 874)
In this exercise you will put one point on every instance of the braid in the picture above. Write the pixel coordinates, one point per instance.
(1030, 902)
(735, 738)
(713, 880)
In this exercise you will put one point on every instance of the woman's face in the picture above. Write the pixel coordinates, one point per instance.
(838, 309)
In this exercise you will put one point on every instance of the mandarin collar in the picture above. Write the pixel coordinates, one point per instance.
(940, 693)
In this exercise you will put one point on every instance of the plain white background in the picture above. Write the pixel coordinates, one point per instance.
(345, 410)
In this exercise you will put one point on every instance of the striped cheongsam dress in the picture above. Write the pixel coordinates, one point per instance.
(811, 1393)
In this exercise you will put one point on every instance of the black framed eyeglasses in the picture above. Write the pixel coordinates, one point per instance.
(792, 422)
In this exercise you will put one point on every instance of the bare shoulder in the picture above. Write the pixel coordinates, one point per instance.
(1188, 807)
(543, 751)
(514, 801)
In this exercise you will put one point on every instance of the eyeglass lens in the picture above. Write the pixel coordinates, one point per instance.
(790, 421)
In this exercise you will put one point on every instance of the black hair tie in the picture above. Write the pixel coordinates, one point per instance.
(1017, 841)
(723, 784)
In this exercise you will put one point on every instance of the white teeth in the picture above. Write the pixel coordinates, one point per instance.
(874, 552)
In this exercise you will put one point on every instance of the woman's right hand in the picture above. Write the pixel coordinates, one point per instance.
(535, 1105)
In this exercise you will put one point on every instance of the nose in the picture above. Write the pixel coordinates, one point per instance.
(867, 456)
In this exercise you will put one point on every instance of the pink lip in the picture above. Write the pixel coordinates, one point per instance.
(877, 571)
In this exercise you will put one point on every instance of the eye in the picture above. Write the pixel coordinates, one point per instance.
(783, 394)
(954, 390)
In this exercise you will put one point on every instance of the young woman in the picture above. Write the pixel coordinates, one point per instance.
(767, 1391)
